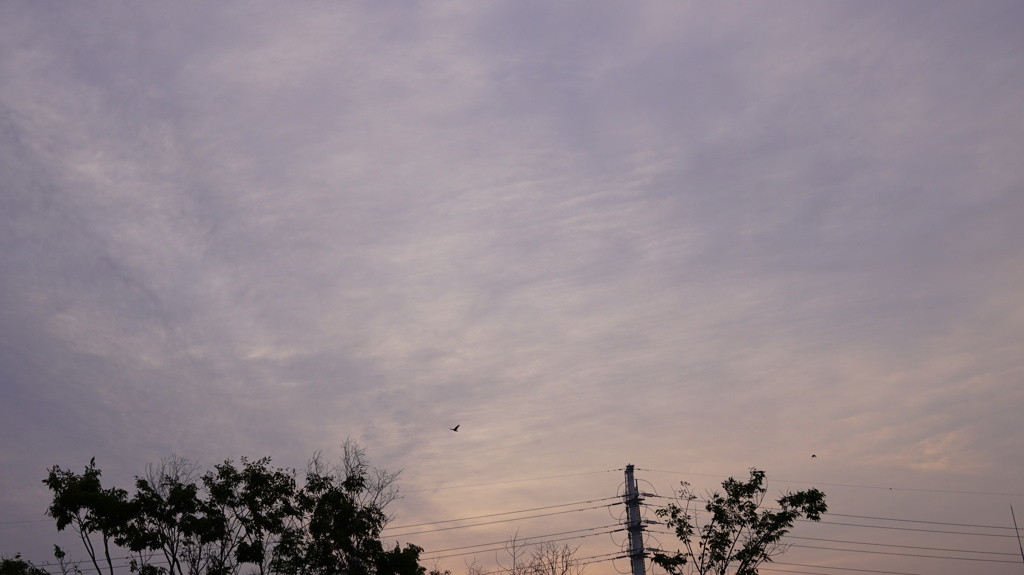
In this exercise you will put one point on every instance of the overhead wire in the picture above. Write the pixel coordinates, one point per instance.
(921, 489)
(546, 537)
(929, 556)
(900, 546)
(614, 556)
(437, 489)
(500, 521)
(502, 513)
(792, 571)
(823, 522)
(503, 548)
(920, 521)
(832, 514)
(76, 567)
(511, 481)
(580, 562)
(837, 569)
(162, 561)
(26, 521)
(525, 539)
(976, 559)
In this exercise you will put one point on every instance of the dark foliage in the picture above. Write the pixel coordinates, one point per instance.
(737, 532)
(251, 516)
(18, 566)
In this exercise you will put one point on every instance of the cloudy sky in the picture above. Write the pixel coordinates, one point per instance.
(691, 236)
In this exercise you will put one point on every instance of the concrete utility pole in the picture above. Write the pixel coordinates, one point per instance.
(634, 525)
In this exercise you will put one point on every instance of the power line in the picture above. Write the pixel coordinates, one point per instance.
(580, 561)
(863, 570)
(976, 559)
(502, 548)
(832, 514)
(871, 544)
(503, 513)
(921, 521)
(500, 521)
(419, 524)
(842, 568)
(852, 485)
(905, 528)
(792, 571)
(160, 561)
(900, 546)
(511, 481)
(87, 569)
(529, 538)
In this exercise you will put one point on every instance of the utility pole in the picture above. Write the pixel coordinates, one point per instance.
(634, 524)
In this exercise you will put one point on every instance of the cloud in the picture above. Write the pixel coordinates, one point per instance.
(716, 235)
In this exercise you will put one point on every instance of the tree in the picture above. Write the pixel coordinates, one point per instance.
(336, 525)
(18, 566)
(252, 515)
(473, 568)
(739, 533)
(544, 558)
(65, 565)
(166, 516)
(82, 502)
(257, 504)
(517, 562)
(549, 558)
(380, 486)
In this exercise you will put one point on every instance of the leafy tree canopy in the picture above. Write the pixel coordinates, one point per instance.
(735, 534)
(247, 516)
(18, 566)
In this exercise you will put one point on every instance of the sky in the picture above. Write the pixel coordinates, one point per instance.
(693, 237)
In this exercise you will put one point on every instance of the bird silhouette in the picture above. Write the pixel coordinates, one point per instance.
(456, 428)
(813, 456)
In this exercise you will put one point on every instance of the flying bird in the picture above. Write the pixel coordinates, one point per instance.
(456, 428)
(813, 456)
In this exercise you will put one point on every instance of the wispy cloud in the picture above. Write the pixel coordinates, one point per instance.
(719, 235)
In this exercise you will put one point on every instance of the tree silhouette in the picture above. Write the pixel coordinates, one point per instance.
(81, 502)
(18, 566)
(738, 533)
(249, 515)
